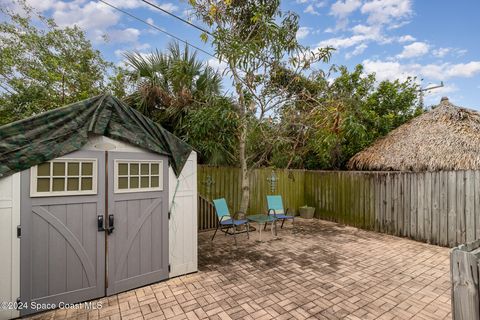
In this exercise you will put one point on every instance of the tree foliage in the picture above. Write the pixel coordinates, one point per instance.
(44, 66)
(184, 95)
(167, 85)
(329, 121)
(211, 131)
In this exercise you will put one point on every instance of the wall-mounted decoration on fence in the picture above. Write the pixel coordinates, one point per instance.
(291, 176)
(272, 181)
(208, 182)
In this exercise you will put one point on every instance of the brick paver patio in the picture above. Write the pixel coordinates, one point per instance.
(318, 270)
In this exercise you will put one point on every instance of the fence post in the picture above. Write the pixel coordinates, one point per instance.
(464, 269)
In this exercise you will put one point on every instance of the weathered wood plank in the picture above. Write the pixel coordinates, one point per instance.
(444, 208)
(477, 204)
(388, 203)
(469, 206)
(460, 212)
(428, 207)
(435, 237)
(421, 206)
(378, 200)
(372, 202)
(406, 205)
(383, 203)
(395, 194)
(452, 207)
(413, 206)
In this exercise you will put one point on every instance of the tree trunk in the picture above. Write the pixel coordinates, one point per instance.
(244, 169)
(243, 127)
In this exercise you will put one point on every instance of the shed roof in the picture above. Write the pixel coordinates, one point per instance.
(52, 134)
(444, 138)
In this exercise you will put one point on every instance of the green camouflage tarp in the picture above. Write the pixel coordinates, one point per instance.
(52, 134)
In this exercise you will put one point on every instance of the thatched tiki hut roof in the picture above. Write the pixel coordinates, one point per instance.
(444, 138)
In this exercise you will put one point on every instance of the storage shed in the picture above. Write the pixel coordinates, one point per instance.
(95, 199)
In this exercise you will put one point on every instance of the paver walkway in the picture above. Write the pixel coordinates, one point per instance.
(318, 270)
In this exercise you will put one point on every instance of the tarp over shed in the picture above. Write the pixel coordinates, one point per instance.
(55, 133)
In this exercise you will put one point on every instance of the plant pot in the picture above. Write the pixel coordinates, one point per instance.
(306, 212)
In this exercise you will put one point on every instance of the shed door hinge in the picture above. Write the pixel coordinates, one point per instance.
(19, 302)
(19, 231)
(169, 267)
(169, 214)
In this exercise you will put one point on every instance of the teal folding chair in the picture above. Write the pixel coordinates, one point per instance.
(225, 221)
(275, 207)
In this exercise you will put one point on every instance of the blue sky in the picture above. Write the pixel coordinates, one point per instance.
(434, 40)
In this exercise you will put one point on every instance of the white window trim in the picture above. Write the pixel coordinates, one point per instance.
(115, 176)
(33, 180)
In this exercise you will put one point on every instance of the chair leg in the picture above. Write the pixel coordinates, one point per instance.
(248, 229)
(234, 235)
(265, 227)
(215, 231)
(283, 221)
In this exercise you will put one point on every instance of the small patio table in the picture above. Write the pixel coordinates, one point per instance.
(261, 219)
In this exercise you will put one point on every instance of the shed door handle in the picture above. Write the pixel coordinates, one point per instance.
(111, 222)
(100, 226)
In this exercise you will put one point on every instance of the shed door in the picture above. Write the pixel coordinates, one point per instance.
(62, 253)
(137, 250)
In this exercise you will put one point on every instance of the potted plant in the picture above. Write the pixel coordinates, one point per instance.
(306, 212)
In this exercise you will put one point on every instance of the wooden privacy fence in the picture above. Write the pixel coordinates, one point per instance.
(206, 214)
(436, 207)
(224, 182)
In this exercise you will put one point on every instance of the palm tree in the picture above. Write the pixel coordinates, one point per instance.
(168, 85)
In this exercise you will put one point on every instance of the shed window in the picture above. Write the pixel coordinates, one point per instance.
(138, 176)
(64, 177)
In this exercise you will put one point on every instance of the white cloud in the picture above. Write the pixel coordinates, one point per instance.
(119, 53)
(128, 35)
(170, 7)
(217, 65)
(343, 8)
(96, 18)
(303, 32)
(363, 29)
(406, 38)
(42, 5)
(387, 11)
(415, 49)
(310, 9)
(386, 70)
(362, 35)
(466, 70)
(358, 50)
(92, 16)
(435, 72)
(379, 15)
(150, 20)
(341, 43)
(442, 52)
